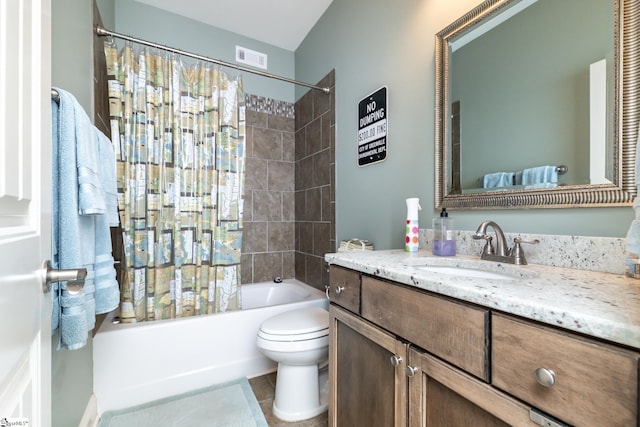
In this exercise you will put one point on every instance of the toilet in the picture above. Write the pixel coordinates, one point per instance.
(299, 341)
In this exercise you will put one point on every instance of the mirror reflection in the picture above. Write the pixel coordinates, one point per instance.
(528, 89)
(533, 76)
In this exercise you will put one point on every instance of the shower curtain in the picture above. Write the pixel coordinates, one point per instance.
(179, 136)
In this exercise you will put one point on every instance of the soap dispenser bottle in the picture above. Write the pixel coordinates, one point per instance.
(412, 230)
(444, 237)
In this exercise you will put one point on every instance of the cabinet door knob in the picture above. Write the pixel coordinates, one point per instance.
(545, 377)
(339, 289)
(396, 360)
(410, 371)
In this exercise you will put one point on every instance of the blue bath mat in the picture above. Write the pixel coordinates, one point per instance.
(231, 404)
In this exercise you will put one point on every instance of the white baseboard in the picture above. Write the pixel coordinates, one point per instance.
(90, 415)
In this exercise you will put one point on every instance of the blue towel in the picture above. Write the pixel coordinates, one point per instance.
(70, 251)
(55, 287)
(498, 179)
(107, 161)
(107, 290)
(541, 185)
(539, 175)
(518, 178)
(91, 198)
(81, 219)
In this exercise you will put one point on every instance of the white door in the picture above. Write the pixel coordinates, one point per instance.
(25, 211)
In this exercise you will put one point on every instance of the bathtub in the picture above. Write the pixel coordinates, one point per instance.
(138, 363)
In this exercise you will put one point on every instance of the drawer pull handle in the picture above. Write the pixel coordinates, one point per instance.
(326, 291)
(396, 360)
(339, 289)
(545, 377)
(410, 371)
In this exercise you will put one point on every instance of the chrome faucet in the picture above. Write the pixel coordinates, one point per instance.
(501, 252)
(501, 241)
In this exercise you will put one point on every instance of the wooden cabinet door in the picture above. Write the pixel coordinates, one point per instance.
(441, 395)
(366, 388)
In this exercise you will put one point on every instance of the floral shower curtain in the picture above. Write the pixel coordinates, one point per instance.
(179, 136)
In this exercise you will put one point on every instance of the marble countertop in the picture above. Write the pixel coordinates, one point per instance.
(602, 305)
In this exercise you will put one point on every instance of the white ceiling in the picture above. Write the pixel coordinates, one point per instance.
(282, 23)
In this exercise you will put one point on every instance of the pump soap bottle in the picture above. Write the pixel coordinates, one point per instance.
(412, 231)
(444, 237)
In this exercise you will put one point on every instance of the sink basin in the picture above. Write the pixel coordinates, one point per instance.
(466, 272)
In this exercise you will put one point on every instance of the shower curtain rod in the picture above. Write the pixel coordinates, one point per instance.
(101, 31)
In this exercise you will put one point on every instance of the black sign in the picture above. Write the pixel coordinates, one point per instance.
(372, 128)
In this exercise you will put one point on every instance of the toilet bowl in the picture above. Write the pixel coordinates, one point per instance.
(298, 341)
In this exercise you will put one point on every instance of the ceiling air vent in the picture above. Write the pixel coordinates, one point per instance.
(251, 57)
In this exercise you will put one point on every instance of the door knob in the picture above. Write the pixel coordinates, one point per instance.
(73, 277)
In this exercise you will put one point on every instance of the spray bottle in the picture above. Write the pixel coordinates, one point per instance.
(412, 231)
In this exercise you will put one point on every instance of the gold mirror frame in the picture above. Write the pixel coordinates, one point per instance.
(626, 115)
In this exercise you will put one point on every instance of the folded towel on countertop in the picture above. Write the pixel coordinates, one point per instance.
(84, 205)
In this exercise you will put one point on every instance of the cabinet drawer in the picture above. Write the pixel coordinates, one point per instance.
(594, 384)
(455, 332)
(344, 288)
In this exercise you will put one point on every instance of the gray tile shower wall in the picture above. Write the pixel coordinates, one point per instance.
(289, 212)
(268, 241)
(315, 183)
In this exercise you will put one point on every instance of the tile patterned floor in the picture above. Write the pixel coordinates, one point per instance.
(264, 388)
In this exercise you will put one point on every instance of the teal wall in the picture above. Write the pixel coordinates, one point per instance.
(153, 24)
(371, 43)
(72, 70)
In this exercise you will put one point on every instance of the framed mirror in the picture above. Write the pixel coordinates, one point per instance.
(538, 104)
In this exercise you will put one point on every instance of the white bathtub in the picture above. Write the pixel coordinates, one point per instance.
(138, 363)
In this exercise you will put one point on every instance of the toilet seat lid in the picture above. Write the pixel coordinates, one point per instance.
(297, 322)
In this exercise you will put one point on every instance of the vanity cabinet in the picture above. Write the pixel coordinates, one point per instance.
(404, 357)
(581, 381)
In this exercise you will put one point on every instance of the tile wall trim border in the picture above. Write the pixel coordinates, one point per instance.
(274, 107)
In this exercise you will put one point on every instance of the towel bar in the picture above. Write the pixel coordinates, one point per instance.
(560, 170)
